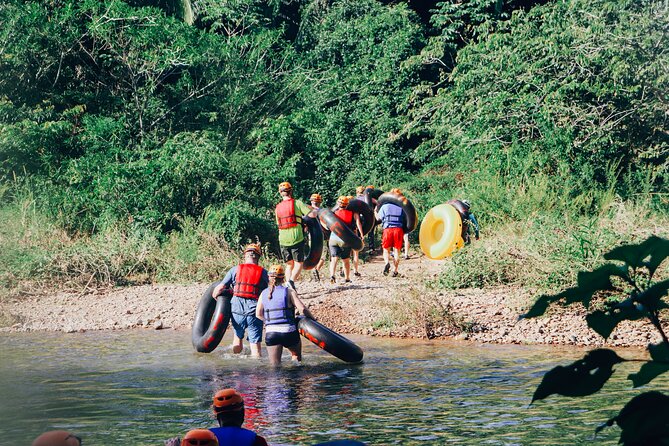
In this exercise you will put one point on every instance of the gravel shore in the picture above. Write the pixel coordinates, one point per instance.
(372, 305)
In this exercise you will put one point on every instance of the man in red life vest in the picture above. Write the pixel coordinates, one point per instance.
(246, 281)
(339, 249)
(289, 215)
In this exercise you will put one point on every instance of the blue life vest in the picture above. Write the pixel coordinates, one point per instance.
(276, 308)
(393, 216)
(237, 436)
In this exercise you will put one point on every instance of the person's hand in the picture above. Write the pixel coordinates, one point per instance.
(176, 441)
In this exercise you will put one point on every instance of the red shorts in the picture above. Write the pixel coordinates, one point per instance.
(392, 238)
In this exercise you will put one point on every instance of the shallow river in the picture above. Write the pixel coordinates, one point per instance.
(141, 387)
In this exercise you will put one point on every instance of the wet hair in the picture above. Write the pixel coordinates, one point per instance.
(230, 419)
(273, 282)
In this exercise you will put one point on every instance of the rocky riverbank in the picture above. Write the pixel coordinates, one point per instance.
(373, 305)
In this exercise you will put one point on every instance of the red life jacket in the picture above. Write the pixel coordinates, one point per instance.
(247, 281)
(346, 216)
(285, 214)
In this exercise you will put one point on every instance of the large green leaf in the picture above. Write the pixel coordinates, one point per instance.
(658, 252)
(648, 372)
(652, 296)
(588, 284)
(644, 420)
(583, 377)
(603, 322)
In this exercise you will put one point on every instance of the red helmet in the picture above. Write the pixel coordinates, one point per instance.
(285, 186)
(200, 437)
(57, 438)
(343, 201)
(254, 248)
(277, 271)
(396, 190)
(316, 198)
(228, 400)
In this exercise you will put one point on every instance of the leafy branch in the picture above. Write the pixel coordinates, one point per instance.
(644, 419)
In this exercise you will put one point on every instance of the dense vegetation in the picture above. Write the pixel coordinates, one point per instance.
(140, 139)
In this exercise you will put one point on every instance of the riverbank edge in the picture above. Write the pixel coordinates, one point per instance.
(480, 315)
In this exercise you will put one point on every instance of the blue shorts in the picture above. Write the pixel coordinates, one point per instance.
(243, 317)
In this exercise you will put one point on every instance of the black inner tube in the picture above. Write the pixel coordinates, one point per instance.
(211, 320)
(370, 195)
(315, 242)
(405, 204)
(330, 341)
(334, 224)
(366, 214)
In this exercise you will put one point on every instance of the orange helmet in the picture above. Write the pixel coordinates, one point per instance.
(228, 400)
(285, 186)
(396, 190)
(277, 271)
(200, 437)
(57, 438)
(316, 198)
(360, 190)
(254, 248)
(343, 201)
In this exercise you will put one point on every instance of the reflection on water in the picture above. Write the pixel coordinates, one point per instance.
(143, 387)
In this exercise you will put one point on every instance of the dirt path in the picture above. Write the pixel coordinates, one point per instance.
(373, 304)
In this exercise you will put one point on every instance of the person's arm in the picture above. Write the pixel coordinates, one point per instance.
(358, 224)
(299, 305)
(472, 218)
(226, 283)
(260, 311)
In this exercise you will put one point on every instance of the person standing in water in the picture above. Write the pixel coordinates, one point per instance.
(246, 281)
(276, 308)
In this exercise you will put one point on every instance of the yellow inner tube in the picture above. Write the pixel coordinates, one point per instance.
(441, 232)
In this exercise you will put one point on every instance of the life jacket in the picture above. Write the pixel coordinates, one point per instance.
(394, 216)
(285, 214)
(231, 435)
(346, 216)
(276, 308)
(247, 281)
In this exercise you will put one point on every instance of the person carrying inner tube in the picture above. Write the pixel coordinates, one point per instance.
(316, 203)
(359, 195)
(469, 221)
(289, 213)
(371, 237)
(228, 407)
(246, 280)
(392, 219)
(338, 248)
(276, 308)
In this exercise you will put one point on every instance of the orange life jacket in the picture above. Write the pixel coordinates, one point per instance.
(346, 216)
(285, 214)
(247, 281)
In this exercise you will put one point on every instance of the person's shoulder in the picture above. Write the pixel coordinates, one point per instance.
(260, 441)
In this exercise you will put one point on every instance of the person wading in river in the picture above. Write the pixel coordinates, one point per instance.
(228, 407)
(276, 307)
(246, 281)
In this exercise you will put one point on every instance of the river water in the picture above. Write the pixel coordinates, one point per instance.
(142, 387)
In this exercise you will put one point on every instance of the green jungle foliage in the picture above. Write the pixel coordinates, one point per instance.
(151, 119)
(631, 286)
